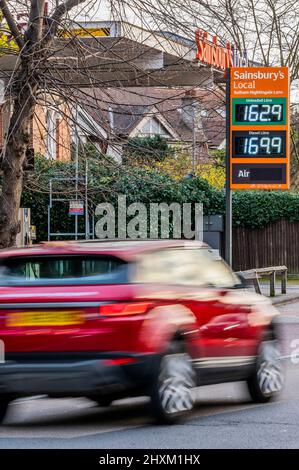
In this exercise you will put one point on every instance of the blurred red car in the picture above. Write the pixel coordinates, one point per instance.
(107, 320)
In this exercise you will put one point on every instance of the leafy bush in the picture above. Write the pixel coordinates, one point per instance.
(146, 150)
(107, 180)
(177, 166)
(256, 209)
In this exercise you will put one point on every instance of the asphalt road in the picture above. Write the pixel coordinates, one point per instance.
(223, 417)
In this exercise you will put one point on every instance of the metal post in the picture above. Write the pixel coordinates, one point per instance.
(228, 192)
(49, 211)
(49, 222)
(284, 277)
(93, 224)
(86, 201)
(193, 144)
(76, 167)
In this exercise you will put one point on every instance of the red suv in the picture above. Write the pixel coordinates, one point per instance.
(107, 320)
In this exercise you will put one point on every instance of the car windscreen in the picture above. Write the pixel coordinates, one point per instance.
(71, 269)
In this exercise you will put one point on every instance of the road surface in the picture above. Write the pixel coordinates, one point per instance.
(223, 417)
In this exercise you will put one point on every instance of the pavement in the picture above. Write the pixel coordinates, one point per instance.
(224, 416)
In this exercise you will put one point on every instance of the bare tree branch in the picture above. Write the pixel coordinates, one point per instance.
(11, 23)
(58, 14)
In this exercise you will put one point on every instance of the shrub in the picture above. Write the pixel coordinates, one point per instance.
(106, 180)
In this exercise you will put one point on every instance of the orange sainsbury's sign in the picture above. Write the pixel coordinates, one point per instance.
(211, 53)
(259, 128)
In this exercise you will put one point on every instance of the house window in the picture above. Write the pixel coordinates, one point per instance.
(58, 130)
(221, 111)
(51, 137)
(153, 127)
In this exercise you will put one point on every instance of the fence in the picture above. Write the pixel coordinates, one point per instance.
(275, 245)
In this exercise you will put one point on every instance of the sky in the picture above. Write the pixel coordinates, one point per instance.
(101, 10)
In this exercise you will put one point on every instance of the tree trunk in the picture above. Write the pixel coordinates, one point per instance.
(35, 48)
(13, 163)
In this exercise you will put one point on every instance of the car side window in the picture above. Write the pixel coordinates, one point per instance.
(63, 267)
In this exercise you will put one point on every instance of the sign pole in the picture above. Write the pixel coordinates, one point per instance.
(228, 192)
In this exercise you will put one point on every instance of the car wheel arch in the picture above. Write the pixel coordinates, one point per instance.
(173, 323)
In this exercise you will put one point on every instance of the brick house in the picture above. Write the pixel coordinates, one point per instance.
(51, 132)
(50, 129)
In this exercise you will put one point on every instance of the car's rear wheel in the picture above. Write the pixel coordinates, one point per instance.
(267, 380)
(172, 389)
(4, 403)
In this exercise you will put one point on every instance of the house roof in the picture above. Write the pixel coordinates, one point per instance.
(121, 110)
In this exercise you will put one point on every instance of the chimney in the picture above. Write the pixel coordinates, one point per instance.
(191, 115)
(191, 108)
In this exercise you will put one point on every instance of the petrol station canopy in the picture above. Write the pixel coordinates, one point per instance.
(121, 54)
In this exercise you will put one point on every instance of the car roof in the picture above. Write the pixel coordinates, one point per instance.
(125, 249)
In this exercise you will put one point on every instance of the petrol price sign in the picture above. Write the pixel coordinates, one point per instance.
(259, 112)
(259, 144)
(259, 128)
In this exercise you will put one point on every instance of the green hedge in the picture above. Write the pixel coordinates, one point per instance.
(256, 209)
(250, 208)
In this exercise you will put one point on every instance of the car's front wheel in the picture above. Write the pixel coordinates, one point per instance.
(267, 380)
(172, 389)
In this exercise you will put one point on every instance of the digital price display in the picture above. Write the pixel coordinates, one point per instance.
(260, 112)
(263, 113)
(259, 144)
(259, 132)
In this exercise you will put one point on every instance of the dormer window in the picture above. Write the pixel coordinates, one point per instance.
(153, 127)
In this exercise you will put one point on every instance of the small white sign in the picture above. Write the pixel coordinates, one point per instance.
(76, 207)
